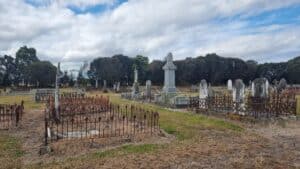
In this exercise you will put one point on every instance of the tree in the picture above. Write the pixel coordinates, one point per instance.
(8, 69)
(24, 58)
(141, 64)
(42, 73)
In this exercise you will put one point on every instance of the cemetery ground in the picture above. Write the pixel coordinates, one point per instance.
(195, 141)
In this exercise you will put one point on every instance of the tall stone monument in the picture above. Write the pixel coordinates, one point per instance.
(229, 84)
(169, 81)
(135, 86)
(203, 90)
(59, 75)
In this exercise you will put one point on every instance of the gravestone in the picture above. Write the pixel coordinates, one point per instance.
(203, 90)
(169, 78)
(59, 75)
(252, 89)
(211, 92)
(281, 85)
(118, 87)
(229, 84)
(135, 86)
(148, 89)
(261, 87)
(238, 91)
(267, 87)
(96, 83)
(104, 86)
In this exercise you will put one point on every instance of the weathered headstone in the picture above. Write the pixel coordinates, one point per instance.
(148, 89)
(281, 85)
(211, 92)
(104, 86)
(229, 84)
(169, 78)
(261, 87)
(238, 91)
(203, 90)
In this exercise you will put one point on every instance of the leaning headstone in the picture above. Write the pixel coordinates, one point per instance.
(203, 90)
(148, 89)
(261, 87)
(169, 78)
(238, 91)
(229, 84)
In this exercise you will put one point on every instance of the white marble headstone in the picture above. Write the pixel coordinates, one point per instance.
(203, 91)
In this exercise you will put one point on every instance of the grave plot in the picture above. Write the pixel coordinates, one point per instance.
(42, 95)
(92, 118)
(10, 115)
(275, 105)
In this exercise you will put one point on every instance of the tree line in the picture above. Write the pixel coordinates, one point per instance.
(26, 68)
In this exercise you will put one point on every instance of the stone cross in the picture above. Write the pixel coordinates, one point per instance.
(229, 84)
(203, 91)
(148, 89)
(238, 91)
(169, 77)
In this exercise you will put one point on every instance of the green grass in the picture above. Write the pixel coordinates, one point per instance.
(184, 125)
(10, 152)
(29, 102)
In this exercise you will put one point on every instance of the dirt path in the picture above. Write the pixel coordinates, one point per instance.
(31, 133)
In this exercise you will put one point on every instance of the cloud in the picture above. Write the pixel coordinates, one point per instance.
(149, 27)
(65, 3)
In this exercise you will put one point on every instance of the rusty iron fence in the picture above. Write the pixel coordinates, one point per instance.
(11, 115)
(44, 95)
(97, 118)
(277, 104)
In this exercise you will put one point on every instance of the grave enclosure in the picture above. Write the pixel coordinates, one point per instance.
(258, 103)
(96, 117)
(10, 115)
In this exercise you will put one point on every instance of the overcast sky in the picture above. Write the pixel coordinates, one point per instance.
(71, 31)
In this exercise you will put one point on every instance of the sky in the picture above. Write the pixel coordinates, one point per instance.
(74, 31)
